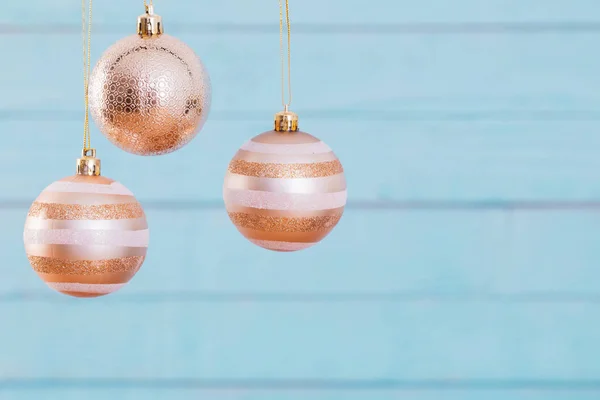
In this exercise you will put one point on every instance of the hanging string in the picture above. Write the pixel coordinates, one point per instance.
(150, 3)
(86, 34)
(289, 54)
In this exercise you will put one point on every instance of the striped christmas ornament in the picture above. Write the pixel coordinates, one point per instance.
(86, 236)
(285, 191)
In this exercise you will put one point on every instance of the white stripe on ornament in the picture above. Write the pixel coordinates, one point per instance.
(325, 184)
(87, 224)
(262, 158)
(87, 237)
(78, 187)
(285, 201)
(302, 148)
(84, 199)
(93, 288)
(281, 246)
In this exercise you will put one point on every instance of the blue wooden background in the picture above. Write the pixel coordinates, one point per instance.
(467, 265)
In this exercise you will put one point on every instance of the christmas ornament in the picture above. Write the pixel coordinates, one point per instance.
(285, 189)
(149, 93)
(86, 235)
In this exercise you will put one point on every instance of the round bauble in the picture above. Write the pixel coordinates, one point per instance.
(285, 191)
(86, 236)
(149, 96)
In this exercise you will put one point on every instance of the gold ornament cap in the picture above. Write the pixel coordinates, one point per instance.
(88, 164)
(286, 121)
(149, 24)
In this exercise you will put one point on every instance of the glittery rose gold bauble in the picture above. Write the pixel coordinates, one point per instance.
(86, 236)
(149, 96)
(285, 191)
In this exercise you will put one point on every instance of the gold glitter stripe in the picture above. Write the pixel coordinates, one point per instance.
(332, 212)
(283, 224)
(83, 252)
(50, 265)
(84, 198)
(272, 170)
(83, 212)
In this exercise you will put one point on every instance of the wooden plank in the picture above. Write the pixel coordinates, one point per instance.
(424, 77)
(414, 161)
(303, 342)
(522, 257)
(330, 12)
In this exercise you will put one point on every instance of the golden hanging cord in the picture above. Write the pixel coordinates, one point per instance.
(289, 55)
(285, 121)
(86, 36)
(88, 164)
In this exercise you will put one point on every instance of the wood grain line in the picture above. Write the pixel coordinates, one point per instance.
(418, 28)
(298, 297)
(373, 205)
(29, 115)
(301, 384)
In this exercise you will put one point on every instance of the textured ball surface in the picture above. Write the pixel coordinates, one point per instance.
(149, 96)
(86, 236)
(285, 191)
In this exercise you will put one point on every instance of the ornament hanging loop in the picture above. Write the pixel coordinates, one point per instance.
(149, 24)
(88, 164)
